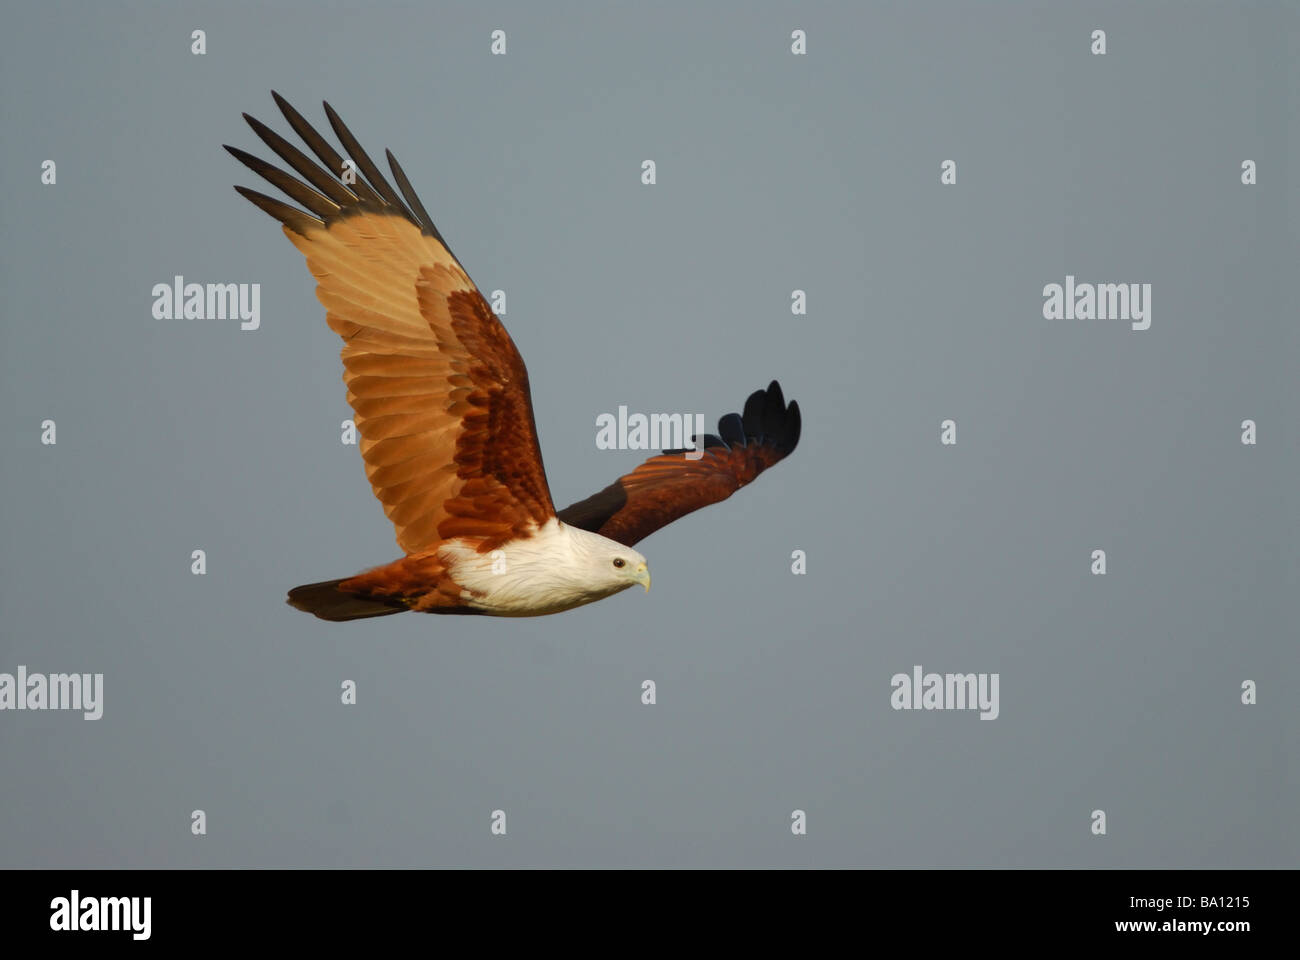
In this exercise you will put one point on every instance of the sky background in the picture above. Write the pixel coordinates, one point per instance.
(775, 172)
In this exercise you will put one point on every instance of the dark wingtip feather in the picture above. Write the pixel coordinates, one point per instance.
(412, 200)
(767, 419)
(324, 193)
(773, 410)
(291, 217)
(365, 165)
(319, 204)
(781, 423)
(793, 427)
(732, 430)
(753, 415)
(327, 178)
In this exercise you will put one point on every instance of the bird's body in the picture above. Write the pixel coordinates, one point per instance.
(556, 568)
(442, 404)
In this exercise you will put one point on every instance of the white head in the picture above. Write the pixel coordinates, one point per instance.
(606, 565)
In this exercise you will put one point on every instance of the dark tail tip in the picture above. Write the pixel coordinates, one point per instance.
(326, 601)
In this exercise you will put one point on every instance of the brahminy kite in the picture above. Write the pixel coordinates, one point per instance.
(446, 421)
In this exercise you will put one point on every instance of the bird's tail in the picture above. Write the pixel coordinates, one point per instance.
(327, 601)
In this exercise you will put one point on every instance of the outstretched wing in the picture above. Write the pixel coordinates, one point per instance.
(439, 390)
(672, 485)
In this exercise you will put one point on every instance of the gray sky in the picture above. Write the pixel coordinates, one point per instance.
(775, 172)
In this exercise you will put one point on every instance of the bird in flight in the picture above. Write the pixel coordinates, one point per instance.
(442, 406)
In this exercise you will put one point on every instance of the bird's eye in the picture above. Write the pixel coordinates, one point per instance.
(619, 562)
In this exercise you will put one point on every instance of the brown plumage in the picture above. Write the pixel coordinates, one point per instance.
(672, 484)
(443, 410)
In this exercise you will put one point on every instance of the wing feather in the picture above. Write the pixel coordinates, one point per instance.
(439, 391)
(671, 485)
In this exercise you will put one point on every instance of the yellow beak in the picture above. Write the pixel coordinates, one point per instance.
(643, 576)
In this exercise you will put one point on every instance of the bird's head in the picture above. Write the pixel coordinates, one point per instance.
(630, 567)
(608, 565)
